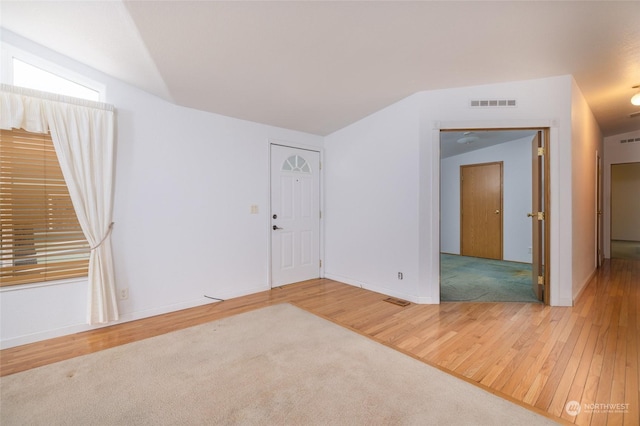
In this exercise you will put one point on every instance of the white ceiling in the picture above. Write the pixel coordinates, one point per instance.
(449, 145)
(318, 66)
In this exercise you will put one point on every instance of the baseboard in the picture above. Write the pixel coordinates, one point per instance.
(584, 285)
(424, 300)
(133, 316)
(232, 294)
(382, 290)
(564, 302)
(346, 280)
(78, 328)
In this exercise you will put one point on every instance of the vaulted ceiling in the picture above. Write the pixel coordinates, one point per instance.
(318, 66)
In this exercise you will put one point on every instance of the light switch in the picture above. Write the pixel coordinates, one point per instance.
(254, 209)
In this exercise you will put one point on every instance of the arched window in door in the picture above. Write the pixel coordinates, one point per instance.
(296, 164)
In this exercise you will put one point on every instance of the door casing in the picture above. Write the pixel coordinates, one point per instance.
(546, 183)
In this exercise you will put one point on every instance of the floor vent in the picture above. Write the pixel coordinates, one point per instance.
(398, 302)
(493, 103)
(630, 140)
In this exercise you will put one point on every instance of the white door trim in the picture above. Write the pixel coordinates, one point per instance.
(560, 248)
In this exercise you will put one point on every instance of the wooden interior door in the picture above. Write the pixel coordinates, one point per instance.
(537, 216)
(481, 210)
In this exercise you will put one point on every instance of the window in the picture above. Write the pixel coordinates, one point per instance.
(297, 164)
(33, 72)
(41, 237)
(32, 77)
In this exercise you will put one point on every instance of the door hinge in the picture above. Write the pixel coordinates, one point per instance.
(320, 165)
(541, 280)
(321, 263)
(540, 151)
(537, 215)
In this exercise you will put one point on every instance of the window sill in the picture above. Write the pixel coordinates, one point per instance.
(29, 286)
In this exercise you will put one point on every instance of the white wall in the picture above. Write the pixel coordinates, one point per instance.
(586, 143)
(541, 103)
(516, 158)
(615, 153)
(185, 181)
(373, 215)
(371, 181)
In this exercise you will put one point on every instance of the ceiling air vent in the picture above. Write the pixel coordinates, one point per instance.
(629, 140)
(493, 103)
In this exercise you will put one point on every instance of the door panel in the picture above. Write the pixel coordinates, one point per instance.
(295, 215)
(481, 210)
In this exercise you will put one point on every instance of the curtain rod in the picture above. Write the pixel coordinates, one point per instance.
(55, 97)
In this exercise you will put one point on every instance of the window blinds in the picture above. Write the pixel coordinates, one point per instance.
(41, 237)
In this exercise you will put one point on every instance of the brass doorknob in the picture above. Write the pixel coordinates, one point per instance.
(530, 214)
(497, 211)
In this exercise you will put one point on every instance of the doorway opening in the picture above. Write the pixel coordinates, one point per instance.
(494, 215)
(625, 211)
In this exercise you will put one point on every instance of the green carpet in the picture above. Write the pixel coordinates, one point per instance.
(464, 278)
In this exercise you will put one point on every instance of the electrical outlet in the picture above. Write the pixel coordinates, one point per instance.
(400, 276)
(124, 293)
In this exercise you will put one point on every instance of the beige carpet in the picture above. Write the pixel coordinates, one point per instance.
(275, 366)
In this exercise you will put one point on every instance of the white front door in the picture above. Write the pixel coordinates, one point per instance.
(295, 215)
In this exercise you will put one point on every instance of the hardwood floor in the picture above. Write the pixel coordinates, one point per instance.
(538, 356)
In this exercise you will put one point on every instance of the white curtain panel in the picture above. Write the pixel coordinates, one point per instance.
(83, 137)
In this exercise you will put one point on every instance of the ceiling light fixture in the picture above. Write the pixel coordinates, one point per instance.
(467, 138)
(635, 99)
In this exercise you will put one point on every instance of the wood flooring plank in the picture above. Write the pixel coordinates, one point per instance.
(497, 368)
(498, 352)
(526, 345)
(555, 367)
(540, 369)
(578, 384)
(618, 382)
(632, 382)
(590, 390)
(603, 396)
(487, 351)
(632, 366)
